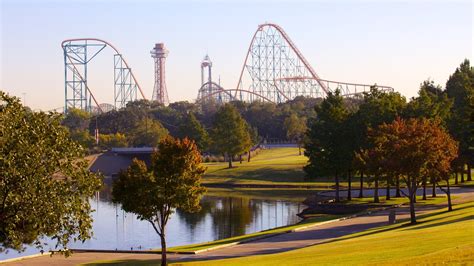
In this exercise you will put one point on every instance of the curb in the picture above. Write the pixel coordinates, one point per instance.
(25, 257)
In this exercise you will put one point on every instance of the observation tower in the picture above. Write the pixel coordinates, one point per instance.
(160, 94)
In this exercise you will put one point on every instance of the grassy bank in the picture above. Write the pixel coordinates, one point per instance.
(278, 165)
(285, 194)
(306, 222)
(439, 238)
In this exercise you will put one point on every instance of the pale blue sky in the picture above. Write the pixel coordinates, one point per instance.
(396, 43)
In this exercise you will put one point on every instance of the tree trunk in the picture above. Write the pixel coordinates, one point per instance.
(433, 191)
(462, 174)
(337, 187)
(240, 157)
(412, 208)
(376, 190)
(349, 189)
(456, 178)
(163, 249)
(387, 196)
(361, 190)
(450, 206)
(397, 192)
(248, 158)
(230, 161)
(299, 148)
(469, 174)
(412, 193)
(424, 188)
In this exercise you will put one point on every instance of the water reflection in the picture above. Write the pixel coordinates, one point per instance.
(220, 217)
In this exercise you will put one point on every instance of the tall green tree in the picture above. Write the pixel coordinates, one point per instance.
(376, 108)
(295, 129)
(432, 103)
(460, 88)
(173, 182)
(190, 127)
(230, 133)
(45, 184)
(326, 145)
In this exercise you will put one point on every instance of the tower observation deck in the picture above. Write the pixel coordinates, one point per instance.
(160, 94)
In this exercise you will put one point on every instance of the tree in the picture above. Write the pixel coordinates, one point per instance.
(377, 107)
(411, 149)
(172, 182)
(147, 132)
(45, 184)
(108, 141)
(460, 87)
(432, 103)
(191, 128)
(76, 119)
(326, 145)
(295, 129)
(230, 134)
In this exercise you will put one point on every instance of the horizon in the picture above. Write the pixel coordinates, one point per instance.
(409, 43)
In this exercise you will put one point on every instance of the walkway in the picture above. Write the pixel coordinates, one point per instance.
(280, 243)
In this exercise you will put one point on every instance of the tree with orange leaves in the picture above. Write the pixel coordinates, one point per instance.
(412, 149)
(173, 181)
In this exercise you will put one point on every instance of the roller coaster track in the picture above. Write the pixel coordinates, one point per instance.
(76, 58)
(275, 70)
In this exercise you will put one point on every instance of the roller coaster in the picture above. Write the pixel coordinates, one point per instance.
(274, 70)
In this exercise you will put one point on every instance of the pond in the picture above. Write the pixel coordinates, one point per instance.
(220, 217)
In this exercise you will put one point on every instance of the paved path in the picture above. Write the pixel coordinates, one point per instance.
(369, 192)
(280, 243)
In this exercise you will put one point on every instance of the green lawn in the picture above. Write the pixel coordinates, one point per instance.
(306, 222)
(439, 238)
(286, 194)
(278, 165)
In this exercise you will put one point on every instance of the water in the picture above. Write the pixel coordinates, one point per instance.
(220, 217)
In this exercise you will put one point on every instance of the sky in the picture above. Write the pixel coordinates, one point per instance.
(394, 43)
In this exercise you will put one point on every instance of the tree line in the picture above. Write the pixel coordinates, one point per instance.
(386, 139)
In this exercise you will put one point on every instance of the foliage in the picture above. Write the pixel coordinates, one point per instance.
(76, 119)
(173, 181)
(295, 128)
(45, 183)
(191, 128)
(116, 140)
(432, 103)
(460, 88)
(230, 134)
(147, 132)
(327, 142)
(410, 149)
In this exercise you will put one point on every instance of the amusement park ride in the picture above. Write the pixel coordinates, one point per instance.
(274, 70)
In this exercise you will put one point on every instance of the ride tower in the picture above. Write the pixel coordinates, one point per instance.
(160, 94)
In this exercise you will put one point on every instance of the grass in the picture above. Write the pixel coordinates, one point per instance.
(310, 221)
(285, 194)
(440, 198)
(440, 237)
(283, 166)
(276, 167)
(126, 262)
